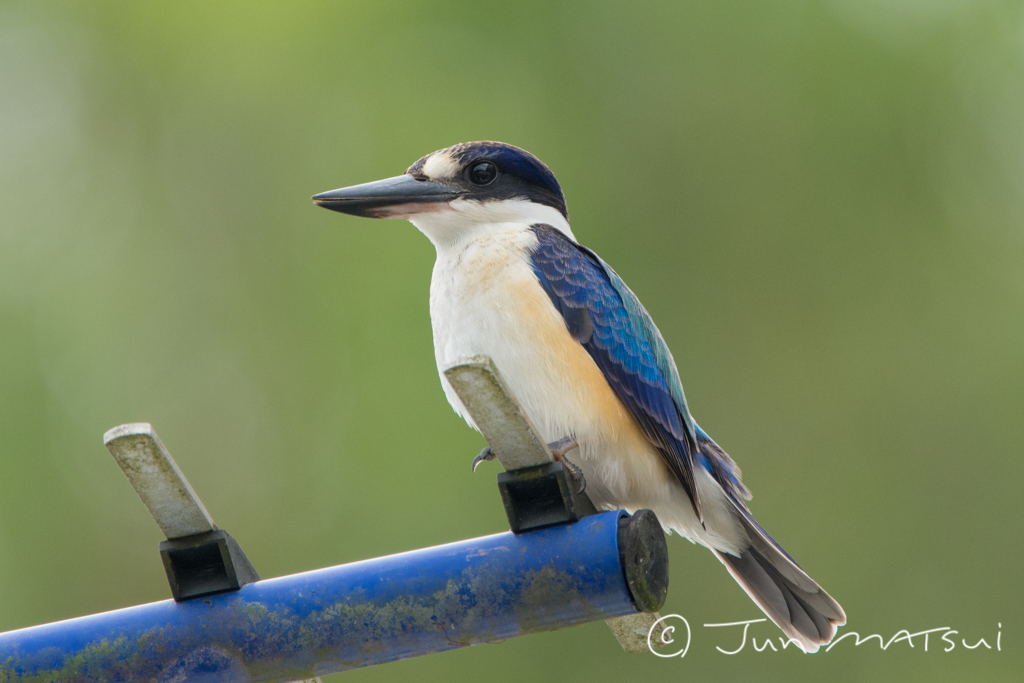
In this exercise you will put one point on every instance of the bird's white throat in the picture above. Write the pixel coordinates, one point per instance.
(464, 219)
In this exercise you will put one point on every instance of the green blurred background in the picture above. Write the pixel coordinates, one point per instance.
(821, 203)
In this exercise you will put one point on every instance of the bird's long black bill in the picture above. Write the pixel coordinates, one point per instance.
(389, 198)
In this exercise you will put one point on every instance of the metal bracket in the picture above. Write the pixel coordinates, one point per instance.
(542, 496)
(199, 558)
(535, 490)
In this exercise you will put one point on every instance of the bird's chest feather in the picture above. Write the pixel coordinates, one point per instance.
(486, 299)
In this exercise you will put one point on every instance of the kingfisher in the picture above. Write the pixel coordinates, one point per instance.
(584, 359)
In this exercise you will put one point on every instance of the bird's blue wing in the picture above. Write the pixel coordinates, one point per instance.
(603, 315)
(642, 324)
(709, 454)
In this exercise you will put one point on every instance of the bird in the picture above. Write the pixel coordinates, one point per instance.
(584, 359)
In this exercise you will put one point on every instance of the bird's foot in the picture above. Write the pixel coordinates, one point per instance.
(558, 450)
(561, 447)
(485, 454)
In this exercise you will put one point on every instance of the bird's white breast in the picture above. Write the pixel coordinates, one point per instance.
(485, 299)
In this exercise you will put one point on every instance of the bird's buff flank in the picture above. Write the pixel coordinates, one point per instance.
(584, 359)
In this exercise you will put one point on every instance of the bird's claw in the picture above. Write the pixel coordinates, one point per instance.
(577, 475)
(558, 450)
(562, 446)
(485, 454)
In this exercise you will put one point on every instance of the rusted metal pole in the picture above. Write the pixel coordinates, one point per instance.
(354, 615)
(609, 565)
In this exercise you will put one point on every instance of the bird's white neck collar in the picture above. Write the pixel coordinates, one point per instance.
(464, 219)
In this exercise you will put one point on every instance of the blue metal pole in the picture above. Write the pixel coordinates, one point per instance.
(338, 618)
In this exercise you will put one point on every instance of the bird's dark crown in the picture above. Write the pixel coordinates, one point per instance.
(520, 175)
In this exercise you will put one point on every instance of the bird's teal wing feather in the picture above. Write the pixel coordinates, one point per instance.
(597, 316)
(711, 455)
(642, 324)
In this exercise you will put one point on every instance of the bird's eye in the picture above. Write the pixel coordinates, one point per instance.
(483, 173)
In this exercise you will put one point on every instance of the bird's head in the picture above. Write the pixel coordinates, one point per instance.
(458, 191)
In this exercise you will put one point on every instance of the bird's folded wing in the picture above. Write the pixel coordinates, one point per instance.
(603, 315)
